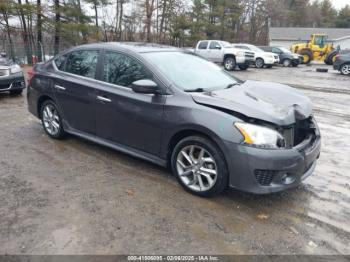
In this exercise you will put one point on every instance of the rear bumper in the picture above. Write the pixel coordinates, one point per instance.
(12, 82)
(263, 171)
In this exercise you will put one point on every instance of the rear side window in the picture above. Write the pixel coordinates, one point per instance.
(203, 45)
(123, 70)
(60, 62)
(82, 63)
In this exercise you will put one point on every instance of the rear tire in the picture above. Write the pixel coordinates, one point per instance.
(308, 56)
(230, 63)
(259, 63)
(16, 92)
(199, 166)
(51, 120)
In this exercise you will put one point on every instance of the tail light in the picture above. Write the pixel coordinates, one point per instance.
(30, 75)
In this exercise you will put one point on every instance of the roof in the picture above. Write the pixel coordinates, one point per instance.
(304, 33)
(137, 47)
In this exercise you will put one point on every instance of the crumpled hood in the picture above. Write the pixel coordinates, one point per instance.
(271, 102)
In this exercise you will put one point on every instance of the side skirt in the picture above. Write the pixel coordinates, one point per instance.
(125, 149)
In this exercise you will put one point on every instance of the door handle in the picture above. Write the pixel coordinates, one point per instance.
(60, 87)
(104, 99)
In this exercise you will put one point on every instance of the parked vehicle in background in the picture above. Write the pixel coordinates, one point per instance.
(317, 48)
(224, 53)
(287, 58)
(261, 57)
(342, 62)
(176, 109)
(11, 76)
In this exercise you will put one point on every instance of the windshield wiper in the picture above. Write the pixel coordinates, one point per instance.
(199, 90)
(232, 85)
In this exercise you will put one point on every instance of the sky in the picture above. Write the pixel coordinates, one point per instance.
(340, 3)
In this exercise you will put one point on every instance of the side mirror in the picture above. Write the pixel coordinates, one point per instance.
(145, 86)
(218, 47)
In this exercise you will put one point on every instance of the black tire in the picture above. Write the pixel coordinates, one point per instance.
(16, 92)
(61, 133)
(259, 63)
(329, 59)
(295, 65)
(243, 67)
(308, 56)
(230, 63)
(222, 172)
(287, 62)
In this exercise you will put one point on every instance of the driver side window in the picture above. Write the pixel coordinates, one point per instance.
(214, 45)
(123, 70)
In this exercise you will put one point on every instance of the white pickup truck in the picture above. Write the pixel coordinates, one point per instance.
(225, 53)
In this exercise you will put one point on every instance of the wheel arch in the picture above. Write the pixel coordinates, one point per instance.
(181, 134)
(229, 55)
(41, 101)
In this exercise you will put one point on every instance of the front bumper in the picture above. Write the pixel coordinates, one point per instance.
(263, 171)
(242, 60)
(12, 82)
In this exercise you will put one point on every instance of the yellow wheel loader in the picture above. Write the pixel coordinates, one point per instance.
(317, 48)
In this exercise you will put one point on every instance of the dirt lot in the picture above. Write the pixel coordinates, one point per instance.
(75, 197)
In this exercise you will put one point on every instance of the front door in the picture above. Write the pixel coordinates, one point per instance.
(123, 116)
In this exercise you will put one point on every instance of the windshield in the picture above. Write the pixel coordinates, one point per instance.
(285, 50)
(190, 72)
(255, 49)
(226, 44)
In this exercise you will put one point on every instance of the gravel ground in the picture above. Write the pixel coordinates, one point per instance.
(75, 197)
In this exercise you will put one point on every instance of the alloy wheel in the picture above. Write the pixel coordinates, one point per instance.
(345, 69)
(51, 120)
(230, 64)
(259, 63)
(196, 168)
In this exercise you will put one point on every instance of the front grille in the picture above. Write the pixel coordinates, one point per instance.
(298, 132)
(276, 56)
(264, 177)
(4, 72)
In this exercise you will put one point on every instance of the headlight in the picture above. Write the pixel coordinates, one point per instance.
(15, 69)
(260, 136)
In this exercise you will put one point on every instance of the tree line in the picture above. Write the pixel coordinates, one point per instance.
(37, 27)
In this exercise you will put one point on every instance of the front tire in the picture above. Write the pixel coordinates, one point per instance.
(51, 120)
(287, 62)
(307, 55)
(259, 63)
(345, 69)
(230, 63)
(199, 166)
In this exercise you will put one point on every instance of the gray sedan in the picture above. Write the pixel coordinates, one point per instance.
(11, 77)
(173, 108)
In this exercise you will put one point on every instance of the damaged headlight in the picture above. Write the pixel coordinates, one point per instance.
(15, 69)
(260, 136)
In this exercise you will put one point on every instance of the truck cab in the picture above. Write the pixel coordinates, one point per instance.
(224, 53)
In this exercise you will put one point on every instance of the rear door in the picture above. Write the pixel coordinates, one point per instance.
(74, 88)
(123, 116)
